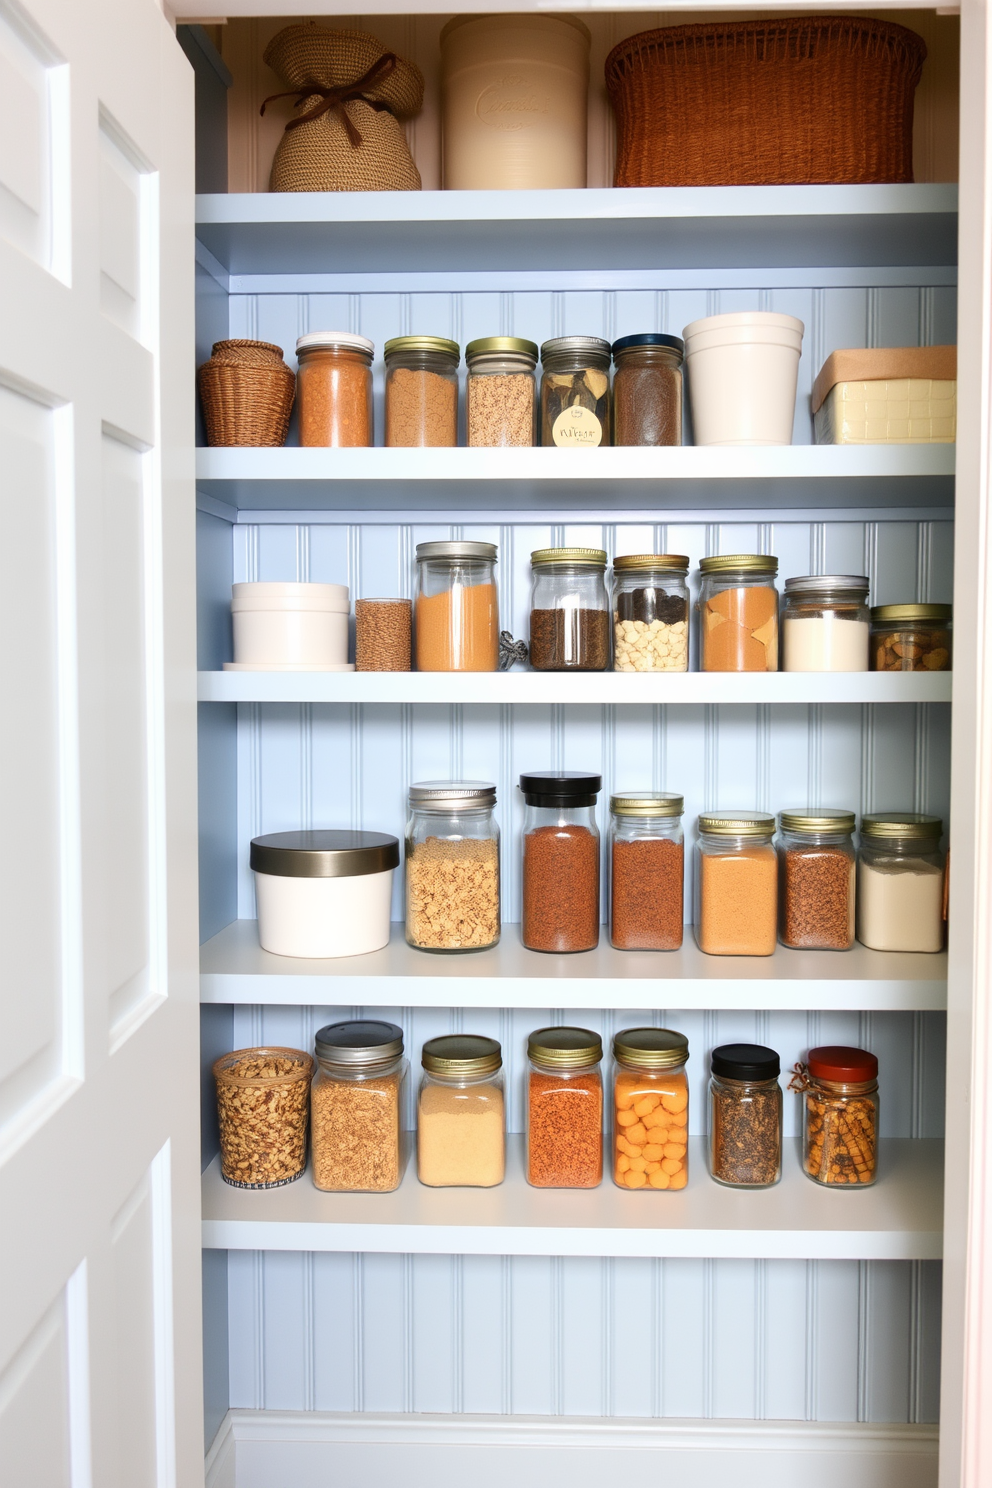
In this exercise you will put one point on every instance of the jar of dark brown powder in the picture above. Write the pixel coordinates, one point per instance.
(646, 866)
(745, 1116)
(647, 390)
(816, 870)
(570, 611)
(561, 861)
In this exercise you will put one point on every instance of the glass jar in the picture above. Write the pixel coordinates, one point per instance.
(911, 638)
(736, 884)
(745, 1116)
(561, 861)
(647, 390)
(901, 882)
(650, 1109)
(570, 611)
(738, 613)
(840, 1116)
(816, 877)
(825, 624)
(651, 613)
(575, 392)
(263, 1106)
(452, 866)
(461, 1140)
(500, 400)
(355, 1108)
(334, 389)
(565, 1108)
(457, 607)
(421, 392)
(646, 867)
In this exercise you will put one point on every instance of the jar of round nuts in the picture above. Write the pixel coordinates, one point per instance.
(263, 1103)
(839, 1087)
(452, 866)
(911, 638)
(651, 613)
(500, 404)
(650, 1109)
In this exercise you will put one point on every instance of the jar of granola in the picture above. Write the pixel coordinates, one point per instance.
(452, 866)
(263, 1105)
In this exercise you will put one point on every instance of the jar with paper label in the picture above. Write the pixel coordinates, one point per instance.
(650, 1109)
(575, 392)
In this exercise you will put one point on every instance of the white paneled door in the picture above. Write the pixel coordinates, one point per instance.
(99, 1207)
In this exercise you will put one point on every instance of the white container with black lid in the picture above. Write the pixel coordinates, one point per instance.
(323, 893)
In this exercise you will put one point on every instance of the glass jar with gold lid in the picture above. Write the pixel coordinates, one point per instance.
(565, 1108)
(650, 1109)
(569, 610)
(460, 1113)
(421, 391)
(651, 612)
(500, 401)
(736, 883)
(911, 638)
(738, 613)
(901, 882)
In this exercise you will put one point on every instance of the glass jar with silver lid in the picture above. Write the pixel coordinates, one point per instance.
(355, 1104)
(452, 866)
(457, 607)
(575, 392)
(825, 623)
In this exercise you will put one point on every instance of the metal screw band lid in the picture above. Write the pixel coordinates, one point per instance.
(648, 342)
(893, 824)
(818, 819)
(323, 854)
(494, 345)
(569, 345)
(399, 344)
(359, 1045)
(593, 557)
(457, 1055)
(899, 612)
(737, 823)
(564, 1048)
(739, 563)
(664, 562)
(647, 803)
(827, 584)
(455, 550)
(650, 1048)
(454, 795)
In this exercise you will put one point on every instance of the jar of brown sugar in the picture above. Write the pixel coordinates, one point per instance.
(569, 611)
(500, 404)
(457, 611)
(421, 392)
(334, 389)
(355, 1107)
(738, 613)
(647, 390)
(816, 879)
(911, 638)
(646, 863)
(565, 1108)
(461, 1141)
(650, 1109)
(561, 861)
(736, 884)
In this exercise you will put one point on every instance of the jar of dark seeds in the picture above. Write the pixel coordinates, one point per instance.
(651, 613)
(816, 872)
(570, 616)
(745, 1116)
(575, 392)
(647, 390)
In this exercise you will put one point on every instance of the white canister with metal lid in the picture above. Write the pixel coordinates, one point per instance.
(289, 626)
(323, 893)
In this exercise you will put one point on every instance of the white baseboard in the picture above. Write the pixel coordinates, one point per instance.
(324, 1449)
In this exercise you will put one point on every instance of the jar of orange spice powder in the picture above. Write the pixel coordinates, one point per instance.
(650, 1109)
(736, 884)
(564, 1108)
(334, 389)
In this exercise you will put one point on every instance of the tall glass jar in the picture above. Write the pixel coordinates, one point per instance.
(570, 611)
(452, 866)
(561, 861)
(736, 884)
(650, 1109)
(816, 876)
(421, 391)
(565, 1108)
(500, 401)
(825, 624)
(911, 638)
(355, 1107)
(575, 392)
(840, 1116)
(647, 390)
(901, 882)
(651, 613)
(334, 389)
(646, 868)
(461, 1141)
(738, 613)
(457, 607)
(745, 1116)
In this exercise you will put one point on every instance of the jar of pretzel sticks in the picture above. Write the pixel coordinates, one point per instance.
(839, 1087)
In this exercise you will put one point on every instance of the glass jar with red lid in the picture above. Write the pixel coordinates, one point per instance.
(839, 1086)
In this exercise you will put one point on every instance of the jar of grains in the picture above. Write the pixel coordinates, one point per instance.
(452, 866)
(901, 882)
(334, 389)
(736, 884)
(647, 390)
(840, 1115)
(570, 611)
(738, 613)
(457, 609)
(421, 391)
(355, 1108)
(911, 638)
(500, 402)
(825, 624)
(745, 1116)
(460, 1120)
(816, 873)
(651, 613)
(646, 867)
(650, 1109)
(565, 1108)
(561, 861)
(575, 392)
(263, 1105)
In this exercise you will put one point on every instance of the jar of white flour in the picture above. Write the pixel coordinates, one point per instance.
(901, 882)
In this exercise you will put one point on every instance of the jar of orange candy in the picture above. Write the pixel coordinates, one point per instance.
(650, 1109)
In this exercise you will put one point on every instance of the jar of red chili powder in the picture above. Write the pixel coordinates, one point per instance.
(646, 866)
(561, 861)
(565, 1108)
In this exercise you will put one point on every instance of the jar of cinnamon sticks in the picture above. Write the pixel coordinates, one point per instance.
(839, 1087)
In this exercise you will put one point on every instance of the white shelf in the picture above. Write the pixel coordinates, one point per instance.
(234, 969)
(898, 1219)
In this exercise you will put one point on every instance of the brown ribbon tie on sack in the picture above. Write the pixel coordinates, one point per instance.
(336, 98)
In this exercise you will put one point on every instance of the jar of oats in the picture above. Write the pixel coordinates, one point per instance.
(263, 1103)
(452, 866)
(500, 403)
(355, 1107)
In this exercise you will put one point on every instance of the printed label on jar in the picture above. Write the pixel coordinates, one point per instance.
(510, 104)
(577, 426)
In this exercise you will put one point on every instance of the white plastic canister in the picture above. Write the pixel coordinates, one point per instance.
(292, 626)
(742, 371)
(514, 113)
(323, 893)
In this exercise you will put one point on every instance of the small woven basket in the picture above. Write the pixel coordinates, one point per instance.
(247, 393)
(772, 102)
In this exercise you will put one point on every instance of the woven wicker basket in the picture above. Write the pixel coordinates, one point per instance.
(773, 102)
(246, 391)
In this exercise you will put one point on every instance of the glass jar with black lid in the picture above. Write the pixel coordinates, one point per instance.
(575, 392)
(561, 860)
(570, 610)
(647, 390)
(745, 1100)
(651, 612)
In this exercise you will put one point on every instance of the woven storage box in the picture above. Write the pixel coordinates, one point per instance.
(883, 395)
(773, 102)
(246, 391)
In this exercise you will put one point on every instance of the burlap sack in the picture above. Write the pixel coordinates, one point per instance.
(351, 94)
